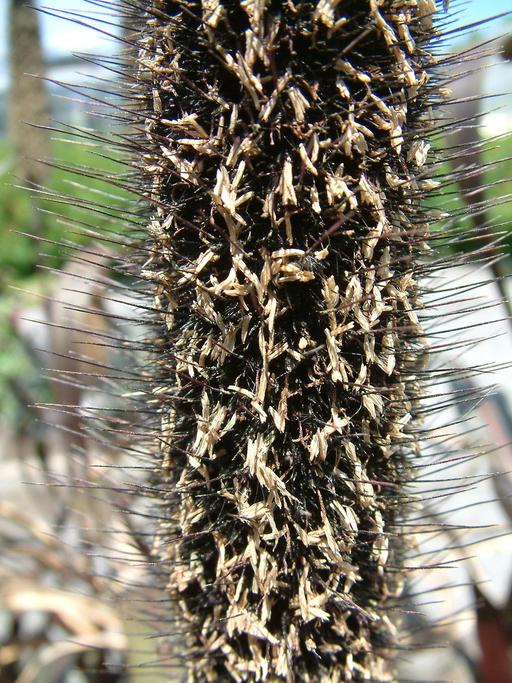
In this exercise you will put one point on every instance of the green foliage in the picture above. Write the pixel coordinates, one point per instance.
(497, 157)
(20, 253)
(21, 213)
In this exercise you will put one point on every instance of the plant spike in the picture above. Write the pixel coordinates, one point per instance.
(286, 154)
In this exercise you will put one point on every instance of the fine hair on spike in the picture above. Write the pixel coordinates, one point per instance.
(267, 338)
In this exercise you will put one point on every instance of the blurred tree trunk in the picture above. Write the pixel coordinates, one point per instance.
(28, 97)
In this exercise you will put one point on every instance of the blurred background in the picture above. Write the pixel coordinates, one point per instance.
(63, 602)
(64, 598)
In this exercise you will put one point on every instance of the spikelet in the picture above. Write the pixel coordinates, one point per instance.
(282, 153)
